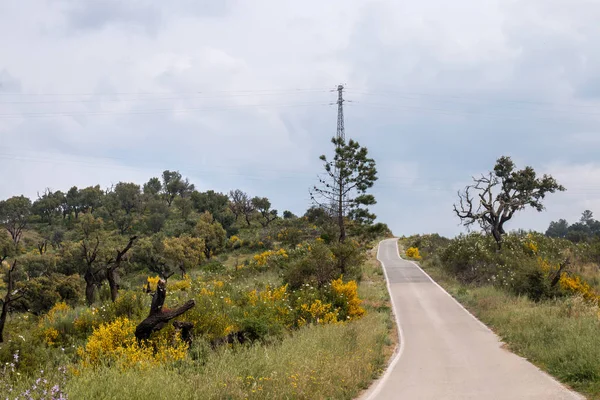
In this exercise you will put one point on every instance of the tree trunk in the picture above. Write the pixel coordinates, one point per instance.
(111, 276)
(111, 271)
(3, 316)
(10, 292)
(247, 219)
(90, 287)
(497, 238)
(158, 317)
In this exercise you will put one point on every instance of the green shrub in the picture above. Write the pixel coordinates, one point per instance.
(316, 267)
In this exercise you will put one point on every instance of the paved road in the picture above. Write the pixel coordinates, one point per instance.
(445, 352)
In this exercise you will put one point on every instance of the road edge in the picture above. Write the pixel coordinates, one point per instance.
(554, 380)
(375, 388)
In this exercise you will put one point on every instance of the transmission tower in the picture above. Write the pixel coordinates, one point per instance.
(340, 121)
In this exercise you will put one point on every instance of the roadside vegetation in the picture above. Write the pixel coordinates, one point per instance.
(162, 290)
(539, 292)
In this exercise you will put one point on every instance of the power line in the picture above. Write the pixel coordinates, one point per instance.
(152, 111)
(187, 97)
(455, 112)
(467, 97)
(161, 93)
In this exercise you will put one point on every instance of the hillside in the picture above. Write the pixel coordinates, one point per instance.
(256, 305)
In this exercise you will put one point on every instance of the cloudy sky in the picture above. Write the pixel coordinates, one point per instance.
(238, 93)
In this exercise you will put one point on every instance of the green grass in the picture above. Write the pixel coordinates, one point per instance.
(560, 336)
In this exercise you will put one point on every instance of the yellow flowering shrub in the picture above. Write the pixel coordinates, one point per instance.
(152, 282)
(184, 284)
(115, 342)
(413, 252)
(50, 335)
(235, 242)
(575, 285)
(263, 258)
(317, 312)
(347, 296)
(51, 327)
(531, 245)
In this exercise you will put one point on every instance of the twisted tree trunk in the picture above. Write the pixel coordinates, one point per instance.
(158, 317)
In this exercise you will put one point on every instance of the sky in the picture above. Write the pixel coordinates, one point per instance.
(241, 94)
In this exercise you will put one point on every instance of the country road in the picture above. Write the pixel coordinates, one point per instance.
(445, 353)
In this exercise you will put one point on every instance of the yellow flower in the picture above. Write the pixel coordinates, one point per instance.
(413, 252)
(349, 292)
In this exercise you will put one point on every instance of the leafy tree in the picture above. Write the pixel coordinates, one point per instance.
(587, 217)
(153, 187)
(157, 213)
(343, 189)
(174, 185)
(241, 204)
(150, 253)
(218, 205)
(121, 205)
(49, 206)
(38, 265)
(288, 214)
(558, 229)
(90, 198)
(41, 293)
(14, 216)
(184, 251)
(73, 200)
(185, 206)
(212, 233)
(263, 206)
(500, 194)
(128, 195)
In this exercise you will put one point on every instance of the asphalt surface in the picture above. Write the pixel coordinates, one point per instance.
(445, 352)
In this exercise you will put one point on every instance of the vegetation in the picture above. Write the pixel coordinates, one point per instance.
(162, 289)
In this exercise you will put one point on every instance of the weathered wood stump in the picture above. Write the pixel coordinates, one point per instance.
(158, 317)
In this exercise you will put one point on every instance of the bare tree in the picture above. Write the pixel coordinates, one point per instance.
(494, 198)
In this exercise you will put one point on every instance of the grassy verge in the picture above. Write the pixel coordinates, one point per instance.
(333, 361)
(559, 336)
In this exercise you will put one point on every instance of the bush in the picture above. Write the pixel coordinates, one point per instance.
(115, 344)
(316, 267)
(413, 252)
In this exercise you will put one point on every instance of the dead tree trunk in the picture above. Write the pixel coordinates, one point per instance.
(111, 270)
(11, 296)
(158, 317)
